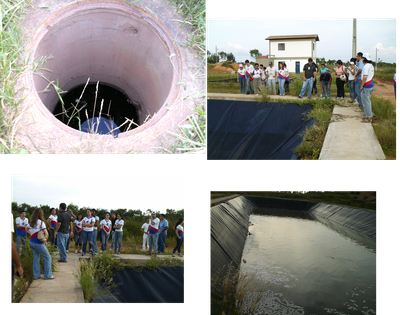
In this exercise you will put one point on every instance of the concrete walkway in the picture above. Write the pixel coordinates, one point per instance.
(65, 288)
(348, 138)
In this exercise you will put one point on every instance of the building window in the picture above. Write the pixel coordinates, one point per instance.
(281, 46)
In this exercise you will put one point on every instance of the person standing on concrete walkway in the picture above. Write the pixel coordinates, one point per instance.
(358, 78)
(118, 233)
(282, 74)
(63, 231)
(179, 237)
(73, 218)
(352, 70)
(78, 233)
(153, 233)
(249, 77)
(52, 223)
(145, 230)
(38, 247)
(241, 78)
(309, 75)
(113, 219)
(367, 87)
(340, 70)
(96, 225)
(257, 79)
(325, 80)
(87, 224)
(272, 77)
(21, 223)
(162, 234)
(105, 232)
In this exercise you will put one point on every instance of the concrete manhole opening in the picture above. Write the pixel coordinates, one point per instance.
(119, 48)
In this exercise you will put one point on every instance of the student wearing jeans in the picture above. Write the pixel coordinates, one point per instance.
(358, 78)
(241, 78)
(179, 237)
(105, 228)
(21, 223)
(118, 233)
(367, 87)
(87, 233)
(153, 233)
(249, 77)
(63, 231)
(257, 79)
(113, 219)
(96, 224)
(325, 81)
(52, 223)
(309, 75)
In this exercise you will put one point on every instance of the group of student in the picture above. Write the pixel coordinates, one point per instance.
(83, 230)
(263, 77)
(359, 76)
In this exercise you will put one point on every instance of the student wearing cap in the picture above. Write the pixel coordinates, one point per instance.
(153, 233)
(367, 87)
(241, 78)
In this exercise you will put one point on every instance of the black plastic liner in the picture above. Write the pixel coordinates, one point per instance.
(162, 285)
(280, 203)
(229, 228)
(255, 131)
(359, 220)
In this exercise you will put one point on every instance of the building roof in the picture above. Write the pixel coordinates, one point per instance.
(293, 37)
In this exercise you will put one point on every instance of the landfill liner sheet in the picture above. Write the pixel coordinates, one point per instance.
(162, 285)
(255, 131)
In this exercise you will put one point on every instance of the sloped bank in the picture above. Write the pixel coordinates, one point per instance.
(163, 284)
(230, 222)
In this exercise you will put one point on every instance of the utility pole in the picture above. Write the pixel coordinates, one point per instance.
(376, 58)
(354, 37)
(216, 52)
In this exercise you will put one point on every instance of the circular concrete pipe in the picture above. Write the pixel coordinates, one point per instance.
(115, 44)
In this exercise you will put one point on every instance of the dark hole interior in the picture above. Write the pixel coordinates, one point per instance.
(87, 113)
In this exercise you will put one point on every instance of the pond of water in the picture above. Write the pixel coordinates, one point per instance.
(302, 266)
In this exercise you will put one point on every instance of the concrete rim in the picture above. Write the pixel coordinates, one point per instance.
(111, 5)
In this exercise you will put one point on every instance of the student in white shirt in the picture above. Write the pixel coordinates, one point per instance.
(249, 77)
(118, 233)
(87, 233)
(153, 233)
(367, 87)
(241, 78)
(38, 247)
(257, 79)
(105, 227)
(145, 229)
(21, 223)
(78, 233)
(179, 237)
(52, 223)
(272, 75)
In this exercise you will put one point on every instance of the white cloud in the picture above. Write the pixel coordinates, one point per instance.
(384, 53)
(235, 48)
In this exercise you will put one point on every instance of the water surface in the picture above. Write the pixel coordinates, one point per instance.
(302, 266)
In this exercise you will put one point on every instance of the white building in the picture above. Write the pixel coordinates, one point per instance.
(294, 50)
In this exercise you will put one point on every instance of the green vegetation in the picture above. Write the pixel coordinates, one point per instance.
(359, 199)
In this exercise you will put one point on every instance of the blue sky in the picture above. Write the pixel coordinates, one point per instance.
(107, 192)
(239, 36)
